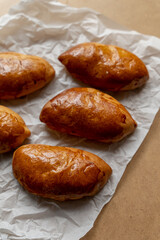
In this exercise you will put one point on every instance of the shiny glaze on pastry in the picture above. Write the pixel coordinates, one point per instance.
(22, 74)
(13, 130)
(105, 66)
(88, 113)
(59, 173)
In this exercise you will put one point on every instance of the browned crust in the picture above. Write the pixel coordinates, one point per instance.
(105, 66)
(13, 130)
(88, 113)
(59, 173)
(22, 74)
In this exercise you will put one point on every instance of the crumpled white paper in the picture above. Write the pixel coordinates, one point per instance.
(47, 28)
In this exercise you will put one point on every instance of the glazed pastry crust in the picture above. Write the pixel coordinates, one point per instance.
(59, 173)
(13, 130)
(105, 66)
(88, 113)
(22, 74)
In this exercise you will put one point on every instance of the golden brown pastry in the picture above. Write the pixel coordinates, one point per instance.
(13, 130)
(89, 113)
(59, 173)
(104, 66)
(22, 74)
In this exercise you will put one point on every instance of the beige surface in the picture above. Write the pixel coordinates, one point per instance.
(134, 211)
(140, 15)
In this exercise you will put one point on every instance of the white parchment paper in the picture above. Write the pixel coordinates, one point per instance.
(47, 28)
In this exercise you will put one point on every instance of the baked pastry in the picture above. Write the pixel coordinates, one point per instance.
(105, 66)
(59, 173)
(88, 113)
(22, 74)
(13, 130)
